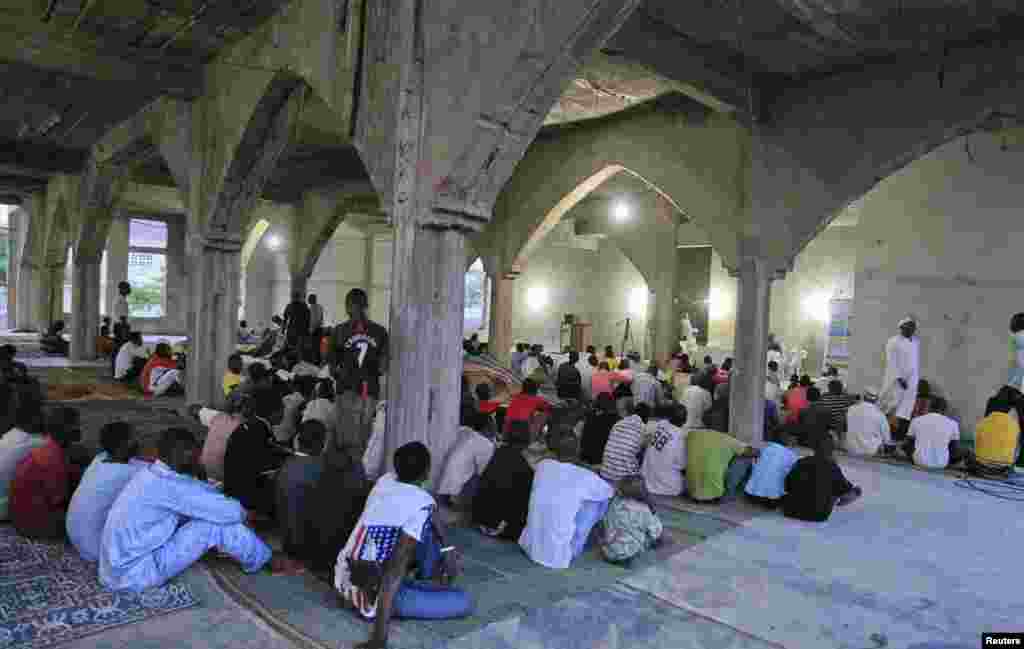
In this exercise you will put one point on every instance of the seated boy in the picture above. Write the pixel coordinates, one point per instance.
(295, 483)
(664, 465)
(233, 375)
(816, 484)
(251, 461)
(716, 464)
(933, 439)
(161, 375)
(165, 520)
(130, 359)
(322, 407)
(337, 501)
(565, 504)
(468, 459)
(767, 482)
(101, 484)
(396, 531)
(630, 526)
(44, 479)
(25, 434)
(503, 498)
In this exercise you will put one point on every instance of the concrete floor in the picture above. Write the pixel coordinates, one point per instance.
(917, 562)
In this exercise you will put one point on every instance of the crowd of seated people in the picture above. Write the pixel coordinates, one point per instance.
(555, 479)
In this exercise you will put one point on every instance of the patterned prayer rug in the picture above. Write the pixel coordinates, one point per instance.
(49, 595)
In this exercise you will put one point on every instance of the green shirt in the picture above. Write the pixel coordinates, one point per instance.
(708, 453)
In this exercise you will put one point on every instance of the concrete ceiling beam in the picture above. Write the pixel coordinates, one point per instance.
(720, 83)
(52, 48)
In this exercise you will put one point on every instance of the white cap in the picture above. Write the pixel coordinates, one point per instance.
(907, 320)
(870, 394)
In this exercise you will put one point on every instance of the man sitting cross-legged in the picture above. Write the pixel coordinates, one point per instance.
(251, 461)
(717, 465)
(295, 484)
(100, 486)
(565, 504)
(503, 497)
(165, 520)
(45, 478)
(816, 484)
(767, 482)
(468, 459)
(400, 529)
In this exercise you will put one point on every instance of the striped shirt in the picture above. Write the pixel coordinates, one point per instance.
(837, 405)
(622, 452)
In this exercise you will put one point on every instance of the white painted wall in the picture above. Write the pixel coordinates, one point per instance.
(348, 260)
(597, 285)
(942, 240)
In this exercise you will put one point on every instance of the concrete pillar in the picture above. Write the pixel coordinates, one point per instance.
(117, 260)
(503, 296)
(53, 294)
(177, 277)
(425, 372)
(215, 289)
(85, 309)
(29, 300)
(746, 409)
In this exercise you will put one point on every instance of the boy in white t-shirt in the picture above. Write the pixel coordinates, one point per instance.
(665, 458)
(396, 531)
(932, 440)
(467, 461)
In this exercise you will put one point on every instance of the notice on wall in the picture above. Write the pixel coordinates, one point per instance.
(837, 342)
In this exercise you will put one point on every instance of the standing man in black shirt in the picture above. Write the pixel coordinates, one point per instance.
(358, 355)
(296, 318)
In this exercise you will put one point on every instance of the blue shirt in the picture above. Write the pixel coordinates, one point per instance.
(96, 493)
(768, 480)
(146, 515)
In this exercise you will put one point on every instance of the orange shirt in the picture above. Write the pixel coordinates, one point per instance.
(154, 362)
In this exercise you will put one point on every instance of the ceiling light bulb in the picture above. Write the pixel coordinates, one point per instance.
(273, 242)
(620, 212)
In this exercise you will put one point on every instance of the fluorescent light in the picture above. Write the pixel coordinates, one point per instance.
(620, 211)
(537, 297)
(638, 301)
(816, 305)
(717, 305)
(273, 242)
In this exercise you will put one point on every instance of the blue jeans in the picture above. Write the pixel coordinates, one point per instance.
(736, 476)
(589, 515)
(423, 599)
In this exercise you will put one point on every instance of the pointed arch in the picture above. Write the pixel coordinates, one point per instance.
(695, 159)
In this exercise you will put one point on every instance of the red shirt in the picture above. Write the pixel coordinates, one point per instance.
(488, 407)
(39, 490)
(154, 362)
(521, 408)
(795, 401)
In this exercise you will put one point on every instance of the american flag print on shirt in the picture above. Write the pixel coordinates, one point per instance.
(373, 543)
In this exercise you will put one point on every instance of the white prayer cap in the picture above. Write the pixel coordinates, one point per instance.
(907, 320)
(870, 394)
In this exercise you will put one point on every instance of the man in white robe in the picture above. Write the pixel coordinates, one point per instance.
(902, 372)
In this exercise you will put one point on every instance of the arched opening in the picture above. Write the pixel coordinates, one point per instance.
(477, 306)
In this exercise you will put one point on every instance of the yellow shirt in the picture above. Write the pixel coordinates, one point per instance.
(613, 363)
(995, 438)
(231, 381)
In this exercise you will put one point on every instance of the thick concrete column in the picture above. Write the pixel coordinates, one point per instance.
(425, 372)
(85, 309)
(117, 260)
(53, 291)
(693, 287)
(746, 414)
(367, 268)
(215, 288)
(29, 298)
(503, 296)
